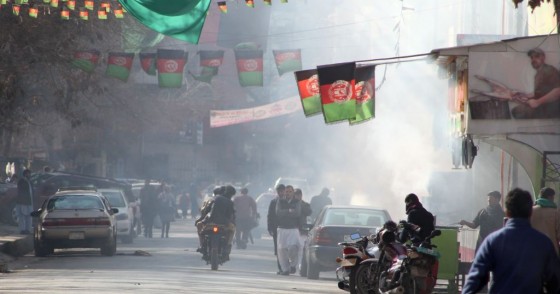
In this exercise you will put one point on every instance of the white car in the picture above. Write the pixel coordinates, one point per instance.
(124, 217)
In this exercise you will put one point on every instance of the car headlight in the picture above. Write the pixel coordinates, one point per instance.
(123, 216)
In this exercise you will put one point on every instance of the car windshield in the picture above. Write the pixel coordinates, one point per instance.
(115, 198)
(75, 202)
(354, 217)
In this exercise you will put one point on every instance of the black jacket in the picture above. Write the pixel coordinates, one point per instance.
(419, 216)
(288, 213)
(222, 211)
(25, 192)
(272, 219)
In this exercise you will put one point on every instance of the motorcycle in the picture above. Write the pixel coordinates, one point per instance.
(214, 253)
(413, 267)
(352, 277)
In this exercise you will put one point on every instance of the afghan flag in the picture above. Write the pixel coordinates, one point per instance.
(86, 60)
(308, 86)
(105, 6)
(211, 59)
(118, 13)
(249, 67)
(179, 19)
(16, 9)
(223, 6)
(84, 14)
(33, 11)
(102, 14)
(336, 85)
(54, 3)
(365, 93)
(71, 4)
(118, 65)
(65, 14)
(250, 3)
(170, 66)
(287, 60)
(88, 4)
(148, 62)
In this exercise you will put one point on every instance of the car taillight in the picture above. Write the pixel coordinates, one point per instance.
(215, 229)
(122, 216)
(103, 221)
(49, 222)
(349, 251)
(322, 237)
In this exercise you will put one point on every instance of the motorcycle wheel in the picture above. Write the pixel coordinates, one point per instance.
(409, 284)
(214, 258)
(363, 279)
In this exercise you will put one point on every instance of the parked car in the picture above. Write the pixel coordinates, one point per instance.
(125, 217)
(333, 225)
(75, 218)
(46, 184)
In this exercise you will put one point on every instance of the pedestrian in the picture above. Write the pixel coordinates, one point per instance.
(245, 217)
(288, 211)
(521, 259)
(194, 192)
(24, 203)
(489, 219)
(303, 225)
(319, 201)
(546, 217)
(148, 207)
(184, 202)
(166, 210)
(272, 219)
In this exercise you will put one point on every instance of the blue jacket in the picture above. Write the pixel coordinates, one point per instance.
(520, 259)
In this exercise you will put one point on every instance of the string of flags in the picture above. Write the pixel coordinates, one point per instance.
(169, 65)
(341, 92)
(222, 5)
(83, 9)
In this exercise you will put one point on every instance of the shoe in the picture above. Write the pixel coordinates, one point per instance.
(292, 270)
(283, 273)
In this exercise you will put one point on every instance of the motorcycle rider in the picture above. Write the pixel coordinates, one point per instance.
(222, 213)
(422, 221)
(204, 210)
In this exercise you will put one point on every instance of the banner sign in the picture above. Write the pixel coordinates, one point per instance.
(513, 92)
(222, 118)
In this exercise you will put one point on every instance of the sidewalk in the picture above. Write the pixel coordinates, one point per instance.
(12, 245)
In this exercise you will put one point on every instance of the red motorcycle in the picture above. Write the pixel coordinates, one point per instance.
(351, 275)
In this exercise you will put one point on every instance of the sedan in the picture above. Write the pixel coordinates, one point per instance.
(336, 224)
(75, 219)
(125, 217)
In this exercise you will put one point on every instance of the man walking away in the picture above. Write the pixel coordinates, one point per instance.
(245, 217)
(546, 217)
(522, 260)
(288, 211)
(318, 202)
(148, 207)
(24, 203)
(490, 218)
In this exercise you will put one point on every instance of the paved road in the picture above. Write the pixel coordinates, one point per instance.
(173, 267)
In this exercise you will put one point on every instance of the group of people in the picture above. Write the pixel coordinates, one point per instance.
(157, 201)
(288, 224)
(519, 247)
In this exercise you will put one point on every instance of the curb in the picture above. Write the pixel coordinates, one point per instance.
(16, 246)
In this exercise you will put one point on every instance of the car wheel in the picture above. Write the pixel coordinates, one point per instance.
(303, 268)
(41, 248)
(312, 270)
(110, 247)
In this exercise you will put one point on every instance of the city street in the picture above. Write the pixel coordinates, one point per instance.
(173, 267)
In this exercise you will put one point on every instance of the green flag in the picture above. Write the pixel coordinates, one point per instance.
(86, 60)
(180, 19)
(308, 86)
(170, 66)
(365, 93)
(118, 65)
(336, 85)
(287, 60)
(249, 67)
